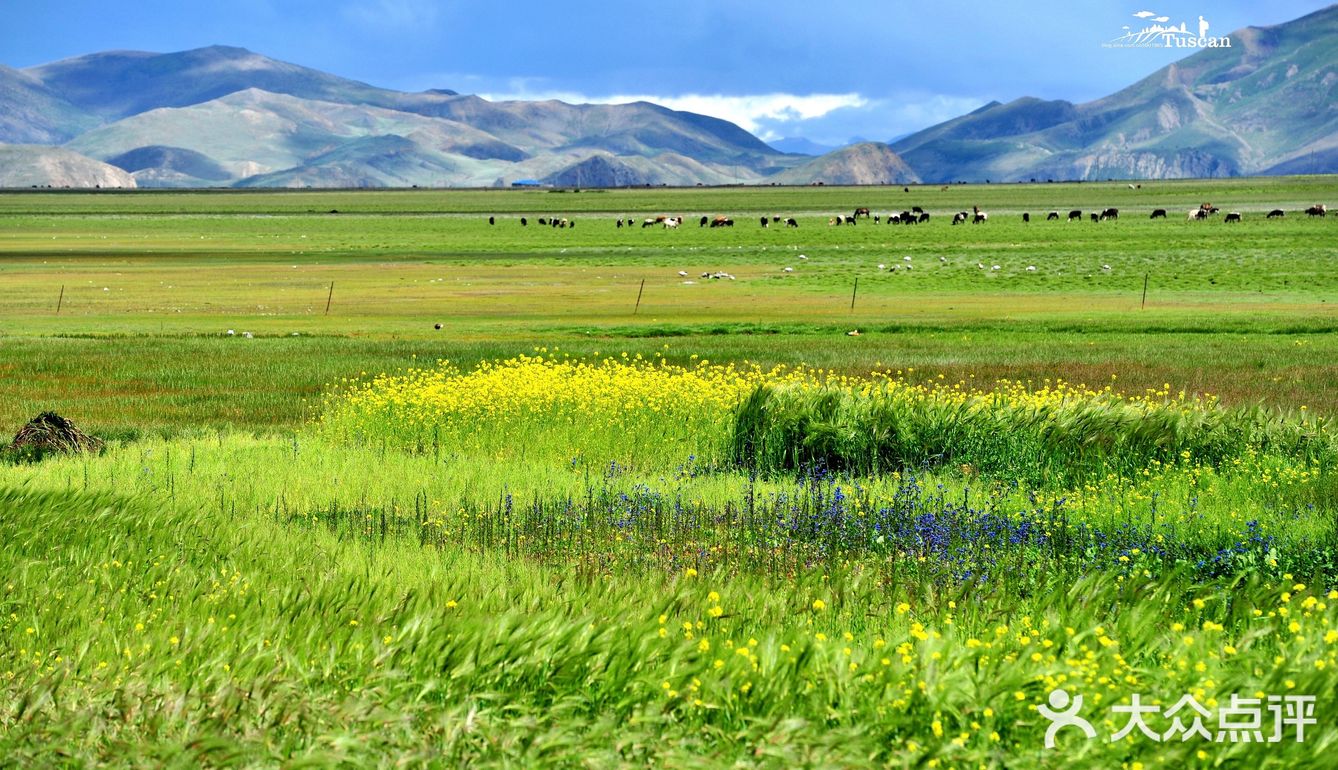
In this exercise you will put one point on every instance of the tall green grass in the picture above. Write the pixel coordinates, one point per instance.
(1056, 439)
(137, 634)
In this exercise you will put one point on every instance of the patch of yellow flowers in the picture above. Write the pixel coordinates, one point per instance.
(622, 406)
(615, 403)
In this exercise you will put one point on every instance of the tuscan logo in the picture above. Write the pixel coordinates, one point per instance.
(1157, 32)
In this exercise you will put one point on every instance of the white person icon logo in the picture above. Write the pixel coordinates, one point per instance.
(1061, 714)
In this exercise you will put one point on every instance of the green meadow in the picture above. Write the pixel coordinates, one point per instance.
(387, 484)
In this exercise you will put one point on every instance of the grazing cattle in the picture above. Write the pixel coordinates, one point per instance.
(924, 216)
(524, 221)
(492, 221)
(1110, 214)
(630, 221)
(1208, 208)
(543, 221)
(704, 220)
(894, 219)
(672, 223)
(1233, 216)
(850, 220)
(862, 211)
(647, 223)
(765, 221)
(572, 223)
(1096, 217)
(1317, 210)
(1158, 214)
(960, 217)
(876, 219)
(1196, 214)
(833, 221)
(1075, 214)
(791, 222)
(1276, 213)
(775, 218)
(917, 210)
(620, 222)
(1026, 217)
(722, 221)
(979, 217)
(1053, 215)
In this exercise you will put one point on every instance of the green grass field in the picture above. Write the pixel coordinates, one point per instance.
(580, 543)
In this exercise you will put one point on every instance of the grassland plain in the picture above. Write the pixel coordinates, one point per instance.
(155, 279)
(717, 530)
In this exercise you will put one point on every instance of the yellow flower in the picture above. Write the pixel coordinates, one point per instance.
(819, 605)
(690, 572)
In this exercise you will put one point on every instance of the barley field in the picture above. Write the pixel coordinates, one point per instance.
(387, 484)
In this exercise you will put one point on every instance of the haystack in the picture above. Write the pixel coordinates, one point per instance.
(49, 433)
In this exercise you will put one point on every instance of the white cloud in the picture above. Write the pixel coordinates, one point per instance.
(832, 119)
(393, 14)
(749, 112)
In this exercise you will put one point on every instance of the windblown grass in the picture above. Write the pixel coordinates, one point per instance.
(135, 634)
(1056, 435)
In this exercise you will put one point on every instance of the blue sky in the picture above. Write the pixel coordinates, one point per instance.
(826, 71)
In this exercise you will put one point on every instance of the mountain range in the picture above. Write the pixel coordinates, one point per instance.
(1268, 104)
(223, 116)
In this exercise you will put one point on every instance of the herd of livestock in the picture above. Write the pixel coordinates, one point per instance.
(914, 215)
